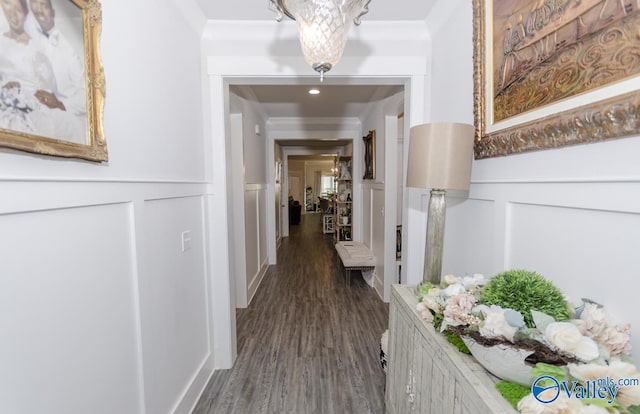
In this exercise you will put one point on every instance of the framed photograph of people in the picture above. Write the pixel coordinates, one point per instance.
(551, 73)
(52, 83)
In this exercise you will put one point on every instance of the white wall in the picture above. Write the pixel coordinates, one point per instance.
(373, 193)
(571, 214)
(255, 147)
(380, 196)
(248, 210)
(279, 201)
(97, 297)
(451, 85)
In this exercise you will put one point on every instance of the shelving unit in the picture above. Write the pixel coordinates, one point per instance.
(343, 210)
(328, 224)
(308, 199)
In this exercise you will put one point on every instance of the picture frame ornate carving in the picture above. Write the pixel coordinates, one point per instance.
(73, 127)
(554, 73)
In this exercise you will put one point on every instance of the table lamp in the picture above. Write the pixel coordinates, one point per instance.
(440, 157)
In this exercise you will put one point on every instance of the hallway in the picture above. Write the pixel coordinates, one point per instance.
(308, 343)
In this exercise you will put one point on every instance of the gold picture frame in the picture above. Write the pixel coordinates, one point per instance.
(73, 126)
(549, 74)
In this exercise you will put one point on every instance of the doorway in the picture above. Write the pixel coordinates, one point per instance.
(290, 135)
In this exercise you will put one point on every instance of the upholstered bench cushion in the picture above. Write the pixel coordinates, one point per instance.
(355, 255)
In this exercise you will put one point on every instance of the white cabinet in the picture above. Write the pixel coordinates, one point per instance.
(426, 374)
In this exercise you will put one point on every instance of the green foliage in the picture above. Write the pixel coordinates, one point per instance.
(524, 291)
(542, 369)
(424, 288)
(437, 321)
(456, 341)
(511, 392)
(604, 403)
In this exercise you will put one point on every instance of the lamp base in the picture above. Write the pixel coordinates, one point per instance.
(435, 237)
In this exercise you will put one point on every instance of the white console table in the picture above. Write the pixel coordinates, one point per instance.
(426, 374)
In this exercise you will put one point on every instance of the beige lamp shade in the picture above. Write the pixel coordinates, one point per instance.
(440, 156)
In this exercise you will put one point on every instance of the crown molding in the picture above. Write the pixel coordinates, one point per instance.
(260, 29)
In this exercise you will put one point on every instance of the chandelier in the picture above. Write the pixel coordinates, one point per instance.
(323, 26)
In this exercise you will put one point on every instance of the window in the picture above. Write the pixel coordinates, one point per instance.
(326, 185)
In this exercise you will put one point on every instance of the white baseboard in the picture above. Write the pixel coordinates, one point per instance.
(197, 385)
(256, 280)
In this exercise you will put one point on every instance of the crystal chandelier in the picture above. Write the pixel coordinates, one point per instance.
(323, 25)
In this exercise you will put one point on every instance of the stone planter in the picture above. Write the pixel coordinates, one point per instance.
(503, 361)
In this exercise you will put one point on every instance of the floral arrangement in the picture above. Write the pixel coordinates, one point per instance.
(575, 344)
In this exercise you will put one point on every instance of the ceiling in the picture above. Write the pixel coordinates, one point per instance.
(259, 10)
(335, 100)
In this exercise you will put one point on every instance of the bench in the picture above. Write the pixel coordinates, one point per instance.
(355, 256)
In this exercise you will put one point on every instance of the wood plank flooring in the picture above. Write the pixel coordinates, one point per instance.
(308, 343)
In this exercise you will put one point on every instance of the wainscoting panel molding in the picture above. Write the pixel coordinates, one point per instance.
(105, 289)
(573, 243)
(255, 196)
(582, 235)
(68, 313)
(175, 335)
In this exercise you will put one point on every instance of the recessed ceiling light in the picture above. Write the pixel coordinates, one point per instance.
(314, 91)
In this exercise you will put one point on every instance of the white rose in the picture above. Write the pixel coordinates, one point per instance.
(424, 311)
(586, 372)
(451, 279)
(627, 396)
(454, 290)
(495, 324)
(434, 292)
(529, 405)
(561, 405)
(567, 337)
(432, 303)
(594, 409)
(471, 282)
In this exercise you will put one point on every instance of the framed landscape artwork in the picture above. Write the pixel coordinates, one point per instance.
(551, 73)
(52, 82)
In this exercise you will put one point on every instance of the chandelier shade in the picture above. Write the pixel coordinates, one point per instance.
(323, 26)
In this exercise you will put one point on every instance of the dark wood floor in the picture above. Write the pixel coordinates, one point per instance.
(308, 343)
